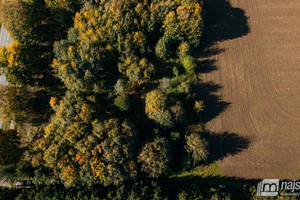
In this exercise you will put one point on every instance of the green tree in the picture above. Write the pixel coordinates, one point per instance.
(117, 151)
(66, 145)
(27, 21)
(78, 146)
(185, 23)
(16, 63)
(122, 102)
(15, 104)
(157, 108)
(117, 49)
(189, 64)
(162, 111)
(155, 157)
(196, 147)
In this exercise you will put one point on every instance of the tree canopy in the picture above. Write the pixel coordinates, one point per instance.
(121, 80)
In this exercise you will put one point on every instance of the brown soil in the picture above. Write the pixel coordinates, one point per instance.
(259, 75)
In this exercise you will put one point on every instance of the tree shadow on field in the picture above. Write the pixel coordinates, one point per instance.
(225, 144)
(221, 22)
(213, 104)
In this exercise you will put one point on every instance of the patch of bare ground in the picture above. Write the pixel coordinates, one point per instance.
(257, 71)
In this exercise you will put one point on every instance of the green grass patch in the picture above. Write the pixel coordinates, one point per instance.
(211, 170)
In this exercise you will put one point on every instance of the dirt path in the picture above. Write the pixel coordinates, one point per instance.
(260, 78)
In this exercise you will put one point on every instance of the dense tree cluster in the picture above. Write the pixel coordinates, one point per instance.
(114, 56)
(117, 94)
(139, 190)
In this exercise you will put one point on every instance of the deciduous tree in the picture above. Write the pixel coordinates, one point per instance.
(154, 157)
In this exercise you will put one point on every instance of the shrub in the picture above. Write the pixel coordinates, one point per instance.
(175, 71)
(178, 112)
(182, 195)
(184, 87)
(122, 102)
(188, 62)
(174, 136)
(120, 87)
(199, 106)
(165, 84)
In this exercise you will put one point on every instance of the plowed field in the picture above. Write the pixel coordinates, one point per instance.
(259, 77)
